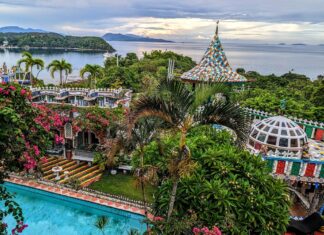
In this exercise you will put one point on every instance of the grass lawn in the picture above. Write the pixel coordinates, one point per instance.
(121, 184)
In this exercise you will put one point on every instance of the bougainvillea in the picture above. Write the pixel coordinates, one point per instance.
(206, 231)
(25, 134)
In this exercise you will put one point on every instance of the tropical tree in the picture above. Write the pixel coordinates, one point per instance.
(183, 109)
(142, 134)
(29, 61)
(94, 72)
(62, 66)
(230, 188)
(101, 223)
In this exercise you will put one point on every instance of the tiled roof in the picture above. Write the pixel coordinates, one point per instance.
(213, 66)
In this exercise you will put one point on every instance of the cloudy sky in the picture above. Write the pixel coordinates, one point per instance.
(273, 21)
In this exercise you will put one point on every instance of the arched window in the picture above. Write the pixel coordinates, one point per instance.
(68, 131)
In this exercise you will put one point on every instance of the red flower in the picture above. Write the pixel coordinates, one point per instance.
(12, 88)
(23, 92)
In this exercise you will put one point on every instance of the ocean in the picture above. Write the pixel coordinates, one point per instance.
(263, 58)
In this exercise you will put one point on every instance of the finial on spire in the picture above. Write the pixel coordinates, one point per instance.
(217, 27)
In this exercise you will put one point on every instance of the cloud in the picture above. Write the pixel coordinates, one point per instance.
(268, 20)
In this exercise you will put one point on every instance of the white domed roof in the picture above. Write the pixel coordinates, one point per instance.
(277, 133)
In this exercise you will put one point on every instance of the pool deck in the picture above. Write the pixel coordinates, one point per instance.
(78, 195)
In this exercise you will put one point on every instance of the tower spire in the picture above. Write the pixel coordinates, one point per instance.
(217, 27)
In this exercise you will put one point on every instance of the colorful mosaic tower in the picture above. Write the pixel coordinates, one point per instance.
(214, 66)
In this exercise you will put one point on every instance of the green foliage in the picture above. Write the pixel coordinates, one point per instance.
(60, 66)
(55, 41)
(74, 182)
(142, 75)
(305, 98)
(229, 188)
(100, 159)
(93, 73)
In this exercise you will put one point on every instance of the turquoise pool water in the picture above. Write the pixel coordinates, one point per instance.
(51, 214)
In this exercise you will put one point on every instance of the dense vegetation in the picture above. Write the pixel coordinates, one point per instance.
(304, 98)
(142, 74)
(229, 187)
(54, 40)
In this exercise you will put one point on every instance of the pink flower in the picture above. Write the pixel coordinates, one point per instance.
(1, 89)
(23, 92)
(12, 88)
(158, 218)
(36, 149)
(43, 160)
(217, 231)
(196, 231)
(58, 139)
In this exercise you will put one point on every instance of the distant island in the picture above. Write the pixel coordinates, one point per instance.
(131, 38)
(299, 44)
(17, 29)
(53, 41)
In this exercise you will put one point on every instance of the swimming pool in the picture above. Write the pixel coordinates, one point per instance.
(52, 214)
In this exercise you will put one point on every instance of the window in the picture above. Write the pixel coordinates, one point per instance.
(293, 143)
(254, 134)
(261, 126)
(298, 132)
(262, 137)
(288, 125)
(283, 124)
(292, 133)
(283, 142)
(68, 131)
(271, 123)
(267, 128)
(251, 142)
(277, 123)
(272, 140)
(301, 142)
(274, 131)
(284, 132)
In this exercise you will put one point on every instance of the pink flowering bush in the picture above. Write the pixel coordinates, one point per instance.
(206, 231)
(24, 137)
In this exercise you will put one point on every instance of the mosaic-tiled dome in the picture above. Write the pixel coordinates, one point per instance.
(277, 133)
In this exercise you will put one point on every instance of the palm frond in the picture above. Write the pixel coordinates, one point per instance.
(175, 91)
(158, 107)
(205, 92)
(226, 113)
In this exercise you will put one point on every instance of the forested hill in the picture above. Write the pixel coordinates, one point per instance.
(54, 40)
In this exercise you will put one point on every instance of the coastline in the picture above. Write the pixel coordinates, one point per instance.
(57, 48)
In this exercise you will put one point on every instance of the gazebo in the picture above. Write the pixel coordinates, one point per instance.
(213, 67)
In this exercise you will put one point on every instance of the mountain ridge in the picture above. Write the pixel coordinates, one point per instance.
(131, 38)
(17, 29)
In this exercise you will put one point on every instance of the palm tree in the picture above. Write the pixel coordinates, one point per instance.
(101, 223)
(94, 71)
(30, 62)
(142, 133)
(182, 109)
(61, 66)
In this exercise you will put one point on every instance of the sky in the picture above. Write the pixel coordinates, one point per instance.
(266, 21)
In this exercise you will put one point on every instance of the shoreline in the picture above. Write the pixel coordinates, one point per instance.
(56, 48)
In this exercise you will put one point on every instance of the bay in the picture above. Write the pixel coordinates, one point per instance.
(264, 58)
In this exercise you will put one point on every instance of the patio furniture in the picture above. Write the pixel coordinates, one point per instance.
(56, 170)
(307, 226)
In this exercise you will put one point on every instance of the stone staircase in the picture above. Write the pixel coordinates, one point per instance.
(86, 174)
